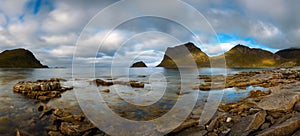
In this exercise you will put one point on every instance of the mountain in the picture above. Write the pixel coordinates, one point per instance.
(184, 56)
(292, 53)
(242, 56)
(19, 58)
(138, 64)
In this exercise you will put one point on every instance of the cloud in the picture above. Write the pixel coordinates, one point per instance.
(63, 51)
(13, 7)
(50, 29)
(3, 20)
(69, 38)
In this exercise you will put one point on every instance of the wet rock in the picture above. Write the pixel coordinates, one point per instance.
(102, 82)
(187, 124)
(286, 128)
(46, 113)
(44, 98)
(297, 106)
(257, 93)
(42, 107)
(270, 119)
(4, 119)
(276, 114)
(61, 113)
(282, 101)
(212, 125)
(265, 126)
(283, 118)
(195, 131)
(51, 128)
(297, 133)
(197, 111)
(69, 129)
(137, 85)
(43, 90)
(21, 133)
(106, 90)
(54, 133)
(71, 118)
(248, 124)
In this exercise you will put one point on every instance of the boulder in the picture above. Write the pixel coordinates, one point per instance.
(286, 128)
(103, 83)
(248, 124)
(43, 90)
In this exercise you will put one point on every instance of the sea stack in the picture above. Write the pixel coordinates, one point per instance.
(138, 64)
(186, 55)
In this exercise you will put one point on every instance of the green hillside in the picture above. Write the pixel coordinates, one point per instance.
(19, 58)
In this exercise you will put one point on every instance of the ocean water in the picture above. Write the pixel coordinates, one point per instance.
(139, 104)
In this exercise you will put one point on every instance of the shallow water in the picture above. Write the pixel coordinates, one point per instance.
(153, 101)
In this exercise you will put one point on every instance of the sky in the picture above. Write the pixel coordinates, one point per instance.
(56, 30)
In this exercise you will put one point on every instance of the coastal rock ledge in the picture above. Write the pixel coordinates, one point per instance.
(43, 90)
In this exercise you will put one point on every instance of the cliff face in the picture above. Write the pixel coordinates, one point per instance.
(184, 56)
(138, 64)
(19, 58)
(292, 53)
(242, 56)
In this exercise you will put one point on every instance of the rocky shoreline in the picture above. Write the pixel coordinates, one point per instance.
(264, 113)
(272, 113)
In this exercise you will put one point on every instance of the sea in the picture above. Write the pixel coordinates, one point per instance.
(160, 95)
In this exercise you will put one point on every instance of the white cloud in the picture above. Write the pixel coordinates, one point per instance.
(13, 7)
(218, 48)
(89, 45)
(64, 19)
(61, 39)
(63, 51)
(264, 31)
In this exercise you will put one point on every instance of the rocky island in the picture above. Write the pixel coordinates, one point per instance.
(138, 64)
(19, 58)
(179, 55)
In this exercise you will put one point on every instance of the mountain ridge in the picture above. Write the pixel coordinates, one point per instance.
(240, 56)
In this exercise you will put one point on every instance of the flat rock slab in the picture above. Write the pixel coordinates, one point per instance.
(286, 128)
(281, 101)
(248, 124)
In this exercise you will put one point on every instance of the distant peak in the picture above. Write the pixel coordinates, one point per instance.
(240, 46)
(189, 45)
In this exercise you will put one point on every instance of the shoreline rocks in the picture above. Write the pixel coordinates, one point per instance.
(263, 113)
(43, 90)
(133, 84)
(66, 123)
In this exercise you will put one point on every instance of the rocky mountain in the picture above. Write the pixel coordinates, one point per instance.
(292, 53)
(19, 58)
(184, 56)
(242, 56)
(138, 64)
